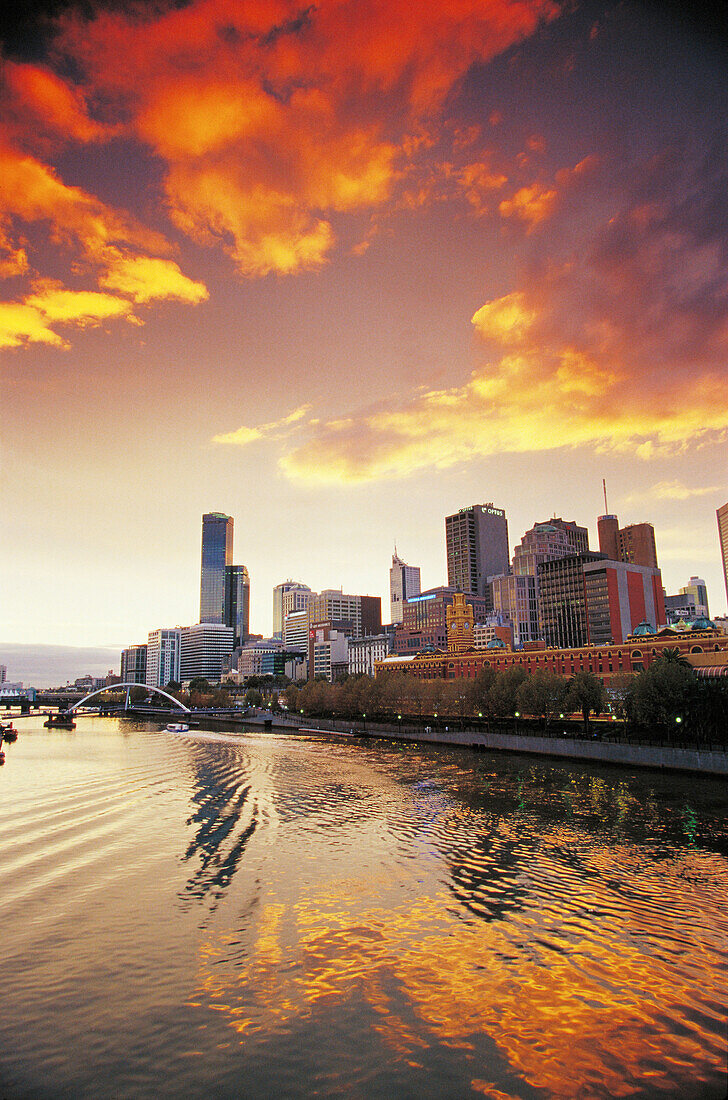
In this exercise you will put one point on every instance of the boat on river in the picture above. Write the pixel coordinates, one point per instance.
(177, 727)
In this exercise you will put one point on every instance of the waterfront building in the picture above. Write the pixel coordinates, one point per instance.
(476, 540)
(514, 597)
(722, 517)
(203, 648)
(217, 552)
(237, 602)
(404, 581)
(363, 653)
(703, 645)
(699, 591)
(333, 605)
(424, 619)
(283, 602)
(134, 665)
(163, 655)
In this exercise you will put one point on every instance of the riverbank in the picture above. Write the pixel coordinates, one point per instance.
(633, 755)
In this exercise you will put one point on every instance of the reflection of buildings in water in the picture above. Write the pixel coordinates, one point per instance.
(233, 797)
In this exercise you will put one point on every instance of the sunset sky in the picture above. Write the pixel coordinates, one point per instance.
(338, 270)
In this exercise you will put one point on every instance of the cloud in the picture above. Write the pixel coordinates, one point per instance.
(672, 490)
(242, 436)
(98, 245)
(267, 127)
(618, 342)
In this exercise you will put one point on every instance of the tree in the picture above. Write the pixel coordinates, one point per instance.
(585, 692)
(504, 691)
(542, 695)
(662, 696)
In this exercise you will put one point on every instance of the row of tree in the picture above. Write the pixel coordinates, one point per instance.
(667, 700)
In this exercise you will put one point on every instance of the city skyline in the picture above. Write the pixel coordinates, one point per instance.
(478, 255)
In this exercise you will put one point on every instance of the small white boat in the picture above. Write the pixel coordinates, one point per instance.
(177, 727)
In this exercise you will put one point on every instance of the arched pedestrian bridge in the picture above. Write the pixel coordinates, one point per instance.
(128, 685)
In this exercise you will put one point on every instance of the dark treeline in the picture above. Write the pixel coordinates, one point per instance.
(667, 700)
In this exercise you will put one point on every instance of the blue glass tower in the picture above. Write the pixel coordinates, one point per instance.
(217, 552)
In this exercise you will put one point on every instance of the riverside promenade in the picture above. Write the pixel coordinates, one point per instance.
(620, 752)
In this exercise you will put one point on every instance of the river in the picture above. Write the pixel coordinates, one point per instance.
(261, 915)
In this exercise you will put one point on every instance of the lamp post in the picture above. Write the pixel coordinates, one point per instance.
(364, 716)
(516, 716)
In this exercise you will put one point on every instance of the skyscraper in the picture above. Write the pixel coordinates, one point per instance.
(633, 544)
(699, 591)
(477, 547)
(237, 602)
(722, 516)
(278, 593)
(404, 581)
(217, 552)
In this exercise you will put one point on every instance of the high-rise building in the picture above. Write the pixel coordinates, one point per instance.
(633, 544)
(163, 657)
(698, 589)
(295, 631)
(279, 592)
(544, 542)
(203, 648)
(722, 517)
(364, 613)
(404, 581)
(217, 552)
(619, 596)
(476, 539)
(515, 600)
(237, 602)
(424, 619)
(562, 599)
(134, 665)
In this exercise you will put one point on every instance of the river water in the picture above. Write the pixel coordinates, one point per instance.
(265, 916)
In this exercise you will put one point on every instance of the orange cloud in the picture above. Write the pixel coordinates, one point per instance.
(531, 205)
(144, 278)
(242, 436)
(35, 93)
(30, 321)
(267, 126)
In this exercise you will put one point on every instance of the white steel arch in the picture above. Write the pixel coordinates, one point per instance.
(129, 684)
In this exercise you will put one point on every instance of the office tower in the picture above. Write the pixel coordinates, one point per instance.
(134, 665)
(163, 657)
(698, 589)
(203, 648)
(477, 548)
(217, 552)
(362, 613)
(608, 530)
(562, 600)
(578, 536)
(634, 544)
(279, 592)
(295, 631)
(637, 545)
(722, 517)
(514, 598)
(404, 581)
(544, 542)
(294, 600)
(237, 602)
(619, 596)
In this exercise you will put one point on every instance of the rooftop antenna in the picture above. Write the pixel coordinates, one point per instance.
(604, 486)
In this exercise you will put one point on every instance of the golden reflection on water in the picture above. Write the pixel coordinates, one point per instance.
(576, 1005)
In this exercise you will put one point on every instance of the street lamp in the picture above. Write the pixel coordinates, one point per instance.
(364, 716)
(516, 716)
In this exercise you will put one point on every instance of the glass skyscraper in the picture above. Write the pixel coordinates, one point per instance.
(217, 552)
(237, 602)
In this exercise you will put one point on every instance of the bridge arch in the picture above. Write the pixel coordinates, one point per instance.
(129, 684)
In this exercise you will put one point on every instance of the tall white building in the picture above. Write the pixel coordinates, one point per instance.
(163, 652)
(404, 581)
(295, 631)
(279, 592)
(203, 647)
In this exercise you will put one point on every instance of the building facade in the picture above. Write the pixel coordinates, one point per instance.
(295, 631)
(424, 619)
(404, 581)
(163, 655)
(217, 552)
(328, 651)
(620, 596)
(562, 599)
(134, 665)
(544, 542)
(633, 544)
(279, 595)
(699, 591)
(203, 648)
(514, 598)
(476, 540)
(365, 652)
(722, 517)
(332, 605)
(237, 602)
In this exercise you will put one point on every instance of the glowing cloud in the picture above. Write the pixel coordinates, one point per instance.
(242, 436)
(144, 278)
